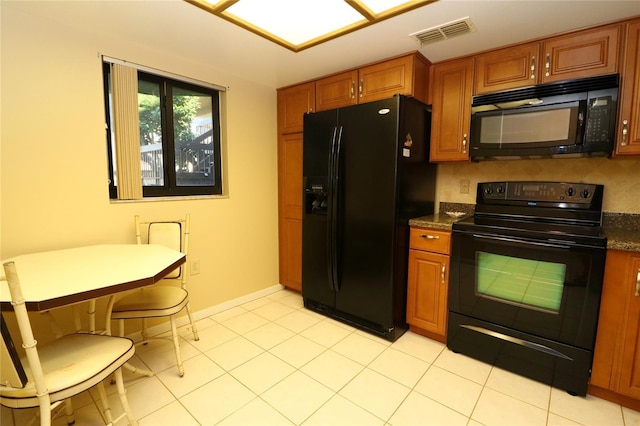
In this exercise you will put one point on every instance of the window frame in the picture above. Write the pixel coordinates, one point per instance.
(167, 84)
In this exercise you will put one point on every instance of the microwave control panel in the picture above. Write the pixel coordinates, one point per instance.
(599, 117)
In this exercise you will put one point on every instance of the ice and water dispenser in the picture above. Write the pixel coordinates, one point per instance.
(315, 195)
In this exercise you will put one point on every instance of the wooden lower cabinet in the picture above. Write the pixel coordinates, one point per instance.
(616, 365)
(428, 282)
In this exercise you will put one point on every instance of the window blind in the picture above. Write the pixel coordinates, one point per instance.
(124, 87)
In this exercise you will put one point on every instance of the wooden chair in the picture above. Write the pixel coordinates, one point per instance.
(48, 375)
(160, 300)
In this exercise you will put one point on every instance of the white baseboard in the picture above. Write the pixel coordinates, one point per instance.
(207, 312)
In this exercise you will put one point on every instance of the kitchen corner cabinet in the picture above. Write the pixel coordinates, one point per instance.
(628, 135)
(616, 363)
(293, 102)
(428, 282)
(451, 92)
(406, 75)
(580, 54)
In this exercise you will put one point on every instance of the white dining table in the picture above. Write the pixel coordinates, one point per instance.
(58, 278)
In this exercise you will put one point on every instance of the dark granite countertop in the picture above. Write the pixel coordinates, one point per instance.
(622, 229)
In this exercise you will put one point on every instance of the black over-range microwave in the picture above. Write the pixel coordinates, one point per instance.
(569, 118)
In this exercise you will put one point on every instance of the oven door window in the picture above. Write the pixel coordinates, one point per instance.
(547, 289)
(528, 283)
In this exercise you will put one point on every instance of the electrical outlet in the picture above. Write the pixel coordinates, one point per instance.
(195, 267)
(464, 186)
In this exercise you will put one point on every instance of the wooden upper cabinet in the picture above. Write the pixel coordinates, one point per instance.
(407, 75)
(507, 68)
(293, 102)
(451, 87)
(337, 91)
(581, 54)
(628, 136)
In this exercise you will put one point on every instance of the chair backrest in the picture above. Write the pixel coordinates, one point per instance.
(11, 370)
(26, 333)
(173, 234)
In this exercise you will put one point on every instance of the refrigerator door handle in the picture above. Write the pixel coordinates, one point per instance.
(335, 212)
(330, 211)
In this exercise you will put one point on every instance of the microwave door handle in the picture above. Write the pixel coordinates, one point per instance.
(515, 240)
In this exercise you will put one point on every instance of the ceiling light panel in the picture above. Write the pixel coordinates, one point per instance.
(300, 24)
(379, 6)
(296, 21)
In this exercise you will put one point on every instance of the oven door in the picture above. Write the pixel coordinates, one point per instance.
(545, 288)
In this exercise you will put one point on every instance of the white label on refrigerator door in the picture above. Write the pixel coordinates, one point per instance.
(406, 152)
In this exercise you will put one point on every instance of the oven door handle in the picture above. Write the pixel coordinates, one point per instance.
(515, 240)
(517, 341)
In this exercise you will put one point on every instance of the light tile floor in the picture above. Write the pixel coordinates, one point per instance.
(272, 362)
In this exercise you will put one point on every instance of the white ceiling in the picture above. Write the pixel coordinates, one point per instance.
(188, 30)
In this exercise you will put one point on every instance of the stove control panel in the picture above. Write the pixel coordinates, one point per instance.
(535, 192)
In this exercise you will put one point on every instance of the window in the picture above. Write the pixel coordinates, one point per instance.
(179, 125)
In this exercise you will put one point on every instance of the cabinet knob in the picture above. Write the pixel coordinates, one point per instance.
(442, 274)
(353, 89)
(637, 284)
(625, 131)
(361, 86)
(464, 144)
(430, 237)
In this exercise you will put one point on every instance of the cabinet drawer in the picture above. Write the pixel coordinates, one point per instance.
(430, 240)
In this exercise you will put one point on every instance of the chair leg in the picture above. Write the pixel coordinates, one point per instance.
(122, 393)
(45, 410)
(194, 329)
(176, 345)
(106, 409)
(68, 410)
(143, 332)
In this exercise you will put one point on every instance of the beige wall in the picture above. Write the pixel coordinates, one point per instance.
(621, 178)
(53, 170)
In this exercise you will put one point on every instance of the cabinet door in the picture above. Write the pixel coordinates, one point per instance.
(427, 290)
(629, 383)
(293, 102)
(581, 54)
(451, 85)
(628, 137)
(385, 79)
(337, 91)
(610, 320)
(290, 209)
(508, 68)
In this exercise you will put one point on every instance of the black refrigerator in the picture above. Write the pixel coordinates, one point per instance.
(366, 173)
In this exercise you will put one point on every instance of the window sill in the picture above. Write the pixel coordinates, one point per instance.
(174, 198)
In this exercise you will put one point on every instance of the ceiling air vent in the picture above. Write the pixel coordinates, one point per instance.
(444, 31)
